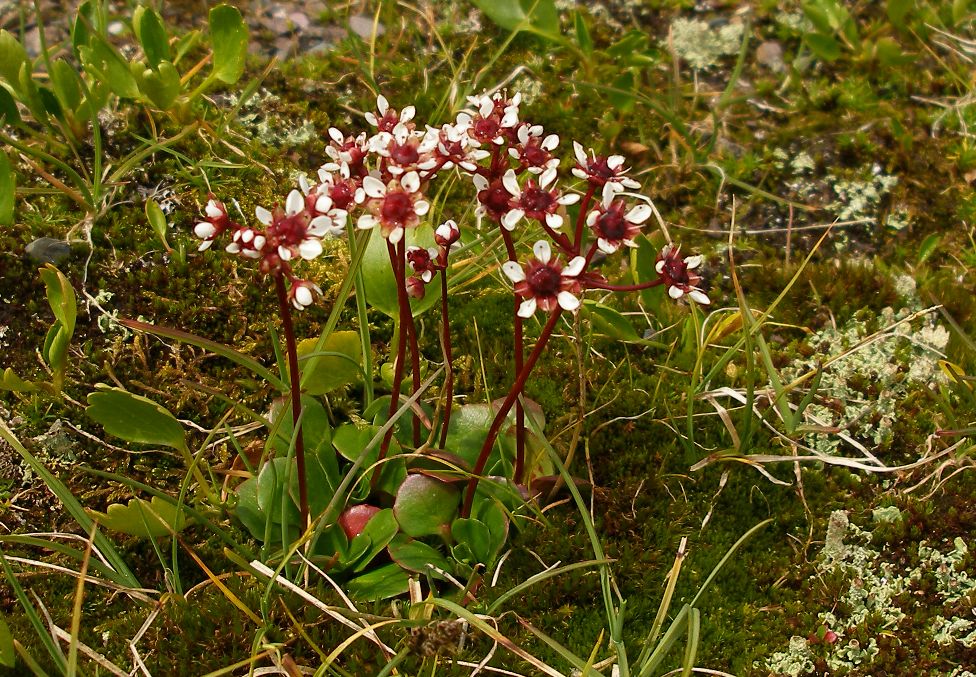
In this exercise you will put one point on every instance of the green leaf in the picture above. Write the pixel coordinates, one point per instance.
(898, 10)
(583, 38)
(889, 53)
(151, 33)
(10, 381)
(105, 64)
(247, 510)
(162, 85)
(8, 187)
(375, 536)
(157, 221)
(609, 322)
(332, 371)
(381, 286)
(155, 518)
(823, 46)
(8, 108)
(85, 20)
(270, 491)
(416, 556)
(13, 56)
(425, 506)
(624, 99)
(228, 35)
(538, 16)
(64, 79)
(928, 247)
(135, 418)
(476, 536)
(8, 656)
(387, 581)
(61, 298)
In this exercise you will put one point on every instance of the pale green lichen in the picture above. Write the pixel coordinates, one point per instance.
(859, 200)
(872, 601)
(701, 46)
(888, 515)
(866, 386)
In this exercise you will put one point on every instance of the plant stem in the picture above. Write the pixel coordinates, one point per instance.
(411, 334)
(519, 363)
(402, 303)
(291, 348)
(363, 319)
(581, 218)
(448, 363)
(500, 416)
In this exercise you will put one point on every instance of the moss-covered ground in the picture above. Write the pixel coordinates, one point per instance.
(840, 189)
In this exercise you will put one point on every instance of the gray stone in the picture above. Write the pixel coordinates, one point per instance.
(48, 250)
(770, 55)
(362, 26)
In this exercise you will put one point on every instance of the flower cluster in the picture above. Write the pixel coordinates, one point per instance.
(384, 179)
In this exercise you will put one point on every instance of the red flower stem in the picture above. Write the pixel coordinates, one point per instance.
(291, 347)
(581, 218)
(448, 360)
(411, 333)
(519, 363)
(496, 424)
(401, 349)
(559, 238)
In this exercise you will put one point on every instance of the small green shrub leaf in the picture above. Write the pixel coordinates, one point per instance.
(425, 506)
(228, 35)
(822, 45)
(12, 57)
(64, 79)
(387, 581)
(135, 418)
(331, 371)
(8, 187)
(146, 519)
(475, 536)
(161, 85)
(151, 33)
(10, 381)
(8, 108)
(416, 556)
(157, 221)
(8, 656)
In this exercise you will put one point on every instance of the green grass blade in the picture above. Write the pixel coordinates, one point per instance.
(35, 620)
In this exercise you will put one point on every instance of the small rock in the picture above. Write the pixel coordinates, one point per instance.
(362, 26)
(299, 20)
(48, 250)
(770, 55)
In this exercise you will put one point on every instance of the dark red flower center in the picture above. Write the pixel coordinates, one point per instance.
(495, 198)
(599, 169)
(397, 208)
(536, 200)
(611, 225)
(544, 280)
(405, 154)
(342, 194)
(485, 128)
(534, 155)
(290, 230)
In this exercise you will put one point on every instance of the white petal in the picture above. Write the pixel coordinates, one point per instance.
(366, 221)
(513, 271)
(527, 308)
(205, 245)
(547, 178)
(410, 182)
(406, 115)
(319, 226)
(659, 267)
(336, 135)
(263, 215)
(421, 207)
(542, 251)
(382, 105)
(554, 221)
(567, 301)
(233, 248)
(569, 199)
(639, 214)
(605, 246)
(303, 295)
(323, 203)
(523, 136)
(309, 249)
(395, 235)
(609, 192)
(510, 219)
(592, 217)
(550, 142)
(204, 230)
(303, 184)
(480, 182)
(517, 99)
(615, 161)
(693, 261)
(699, 296)
(574, 267)
(284, 253)
(371, 119)
(511, 183)
(212, 210)
(373, 187)
(259, 242)
(486, 106)
(629, 183)
(675, 293)
(510, 119)
(580, 154)
(295, 203)
(247, 235)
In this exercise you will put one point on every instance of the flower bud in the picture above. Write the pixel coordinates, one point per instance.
(447, 233)
(415, 287)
